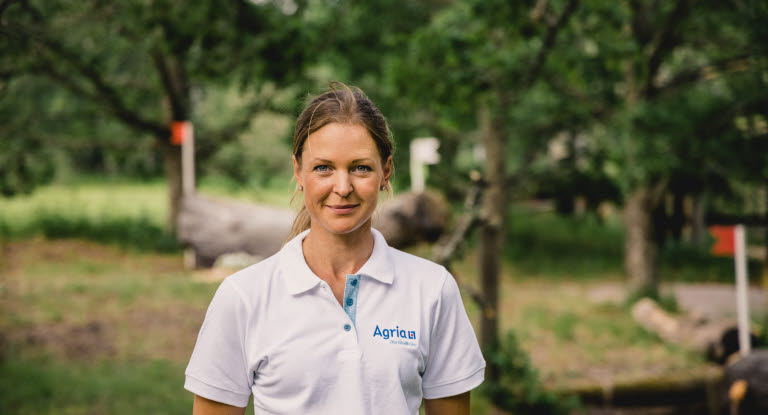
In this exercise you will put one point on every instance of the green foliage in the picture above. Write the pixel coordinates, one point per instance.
(101, 81)
(258, 157)
(518, 389)
(23, 166)
(546, 243)
(552, 246)
(140, 233)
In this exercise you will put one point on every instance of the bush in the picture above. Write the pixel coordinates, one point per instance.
(519, 390)
(549, 244)
(138, 233)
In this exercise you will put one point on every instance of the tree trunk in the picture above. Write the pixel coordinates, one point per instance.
(677, 220)
(178, 104)
(660, 223)
(491, 234)
(765, 244)
(698, 220)
(640, 248)
(172, 161)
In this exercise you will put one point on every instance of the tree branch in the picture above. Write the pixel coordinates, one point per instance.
(549, 41)
(102, 91)
(174, 87)
(449, 245)
(736, 63)
(664, 42)
(105, 92)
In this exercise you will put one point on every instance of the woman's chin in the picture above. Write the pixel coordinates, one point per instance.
(343, 227)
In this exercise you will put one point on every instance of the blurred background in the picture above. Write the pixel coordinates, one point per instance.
(579, 153)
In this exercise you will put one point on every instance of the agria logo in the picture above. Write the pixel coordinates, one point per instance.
(394, 333)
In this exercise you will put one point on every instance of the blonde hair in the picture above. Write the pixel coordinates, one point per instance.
(345, 105)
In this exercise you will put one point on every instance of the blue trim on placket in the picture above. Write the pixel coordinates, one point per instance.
(349, 301)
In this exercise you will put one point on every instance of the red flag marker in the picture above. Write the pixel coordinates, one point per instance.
(724, 240)
(180, 130)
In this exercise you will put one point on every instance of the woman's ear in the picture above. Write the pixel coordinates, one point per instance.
(387, 171)
(297, 170)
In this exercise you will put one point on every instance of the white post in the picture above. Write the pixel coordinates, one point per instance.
(742, 302)
(423, 152)
(188, 160)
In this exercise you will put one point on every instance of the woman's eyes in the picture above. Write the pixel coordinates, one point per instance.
(357, 169)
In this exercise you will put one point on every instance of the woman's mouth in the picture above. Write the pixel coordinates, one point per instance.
(342, 209)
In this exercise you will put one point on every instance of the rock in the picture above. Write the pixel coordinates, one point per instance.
(409, 218)
(752, 370)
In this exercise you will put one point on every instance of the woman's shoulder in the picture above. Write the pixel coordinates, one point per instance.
(258, 274)
(417, 267)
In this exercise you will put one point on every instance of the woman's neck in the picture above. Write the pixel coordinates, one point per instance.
(331, 257)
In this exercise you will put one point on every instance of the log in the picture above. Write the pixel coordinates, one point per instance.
(216, 227)
(213, 227)
(412, 217)
(716, 339)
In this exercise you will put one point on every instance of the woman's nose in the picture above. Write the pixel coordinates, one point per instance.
(343, 185)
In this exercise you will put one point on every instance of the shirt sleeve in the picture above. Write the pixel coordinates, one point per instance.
(218, 369)
(455, 364)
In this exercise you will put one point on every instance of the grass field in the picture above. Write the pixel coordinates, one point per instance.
(104, 324)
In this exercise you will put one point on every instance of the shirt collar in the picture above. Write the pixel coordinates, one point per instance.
(300, 278)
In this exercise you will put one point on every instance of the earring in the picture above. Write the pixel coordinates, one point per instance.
(301, 188)
(383, 188)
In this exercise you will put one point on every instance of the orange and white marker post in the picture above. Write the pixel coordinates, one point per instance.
(742, 300)
(182, 133)
(731, 240)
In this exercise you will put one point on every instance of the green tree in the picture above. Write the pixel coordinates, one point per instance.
(145, 64)
(474, 66)
(675, 74)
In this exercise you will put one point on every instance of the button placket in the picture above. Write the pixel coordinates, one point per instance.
(349, 302)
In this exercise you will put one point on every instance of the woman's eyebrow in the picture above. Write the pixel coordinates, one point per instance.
(355, 161)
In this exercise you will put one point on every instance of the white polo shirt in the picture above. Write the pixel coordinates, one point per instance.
(276, 331)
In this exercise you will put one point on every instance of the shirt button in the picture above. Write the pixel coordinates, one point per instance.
(349, 301)
(353, 282)
(347, 327)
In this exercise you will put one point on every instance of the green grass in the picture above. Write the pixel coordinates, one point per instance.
(128, 213)
(54, 387)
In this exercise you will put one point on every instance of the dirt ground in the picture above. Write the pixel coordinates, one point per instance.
(704, 300)
(81, 301)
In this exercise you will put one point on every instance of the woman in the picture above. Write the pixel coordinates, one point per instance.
(337, 322)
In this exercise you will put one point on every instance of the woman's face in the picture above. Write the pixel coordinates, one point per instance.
(341, 172)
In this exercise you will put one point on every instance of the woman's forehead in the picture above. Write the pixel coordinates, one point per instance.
(342, 142)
